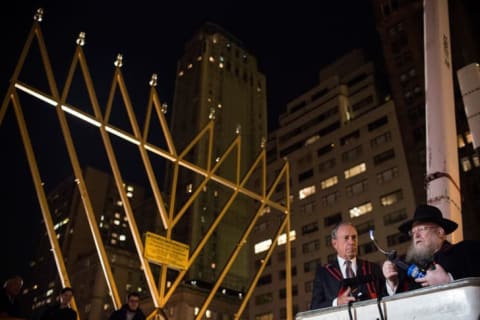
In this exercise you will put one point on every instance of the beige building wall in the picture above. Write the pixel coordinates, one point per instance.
(346, 163)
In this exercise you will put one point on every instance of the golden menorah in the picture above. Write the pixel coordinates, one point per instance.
(169, 214)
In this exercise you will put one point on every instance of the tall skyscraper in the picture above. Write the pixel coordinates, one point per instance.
(347, 163)
(217, 77)
(400, 25)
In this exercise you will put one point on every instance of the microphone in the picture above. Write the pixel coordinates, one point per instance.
(412, 270)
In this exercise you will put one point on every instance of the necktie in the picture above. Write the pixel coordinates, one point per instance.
(348, 269)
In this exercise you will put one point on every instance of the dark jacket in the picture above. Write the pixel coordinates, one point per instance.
(461, 260)
(329, 283)
(121, 314)
(12, 309)
(57, 313)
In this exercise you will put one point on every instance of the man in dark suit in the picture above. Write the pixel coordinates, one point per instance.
(431, 251)
(335, 284)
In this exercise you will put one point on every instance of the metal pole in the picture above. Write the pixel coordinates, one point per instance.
(442, 180)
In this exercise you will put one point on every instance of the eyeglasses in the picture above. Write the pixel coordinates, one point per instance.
(420, 229)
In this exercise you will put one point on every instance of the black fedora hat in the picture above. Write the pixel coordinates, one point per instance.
(427, 213)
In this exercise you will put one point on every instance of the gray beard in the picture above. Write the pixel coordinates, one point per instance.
(422, 256)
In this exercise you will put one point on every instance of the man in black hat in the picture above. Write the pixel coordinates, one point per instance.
(430, 251)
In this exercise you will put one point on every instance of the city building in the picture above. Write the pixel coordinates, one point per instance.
(347, 163)
(400, 25)
(217, 78)
(79, 253)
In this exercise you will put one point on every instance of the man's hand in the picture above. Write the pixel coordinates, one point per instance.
(345, 297)
(391, 274)
(435, 275)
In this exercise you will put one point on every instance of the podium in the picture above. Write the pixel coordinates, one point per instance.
(459, 300)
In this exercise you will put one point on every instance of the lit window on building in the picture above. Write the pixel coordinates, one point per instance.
(312, 140)
(122, 237)
(116, 222)
(476, 160)
(130, 194)
(329, 182)
(113, 241)
(460, 141)
(282, 239)
(180, 73)
(355, 170)
(468, 137)
(360, 210)
(306, 192)
(190, 66)
(117, 215)
(391, 198)
(466, 164)
(211, 59)
(130, 188)
(189, 188)
(262, 246)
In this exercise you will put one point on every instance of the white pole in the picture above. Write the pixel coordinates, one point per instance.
(469, 81)
(442, 180)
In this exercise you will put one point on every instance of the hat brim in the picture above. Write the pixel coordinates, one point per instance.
(447, 225)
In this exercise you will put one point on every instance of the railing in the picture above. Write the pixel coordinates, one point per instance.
(459, 300)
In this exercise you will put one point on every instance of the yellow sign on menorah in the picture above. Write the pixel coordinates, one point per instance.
(161, 250)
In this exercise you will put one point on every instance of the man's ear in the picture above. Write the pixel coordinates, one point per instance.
(441, 231)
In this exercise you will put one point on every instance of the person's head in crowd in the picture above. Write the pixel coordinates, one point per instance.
(133, 301)
(66, 296)
(13, 286)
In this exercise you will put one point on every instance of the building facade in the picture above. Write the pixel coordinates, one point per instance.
(347, 163)
(400, 25)
(217, 79)
(79, 253)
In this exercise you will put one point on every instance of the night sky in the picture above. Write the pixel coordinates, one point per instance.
(291, 42)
